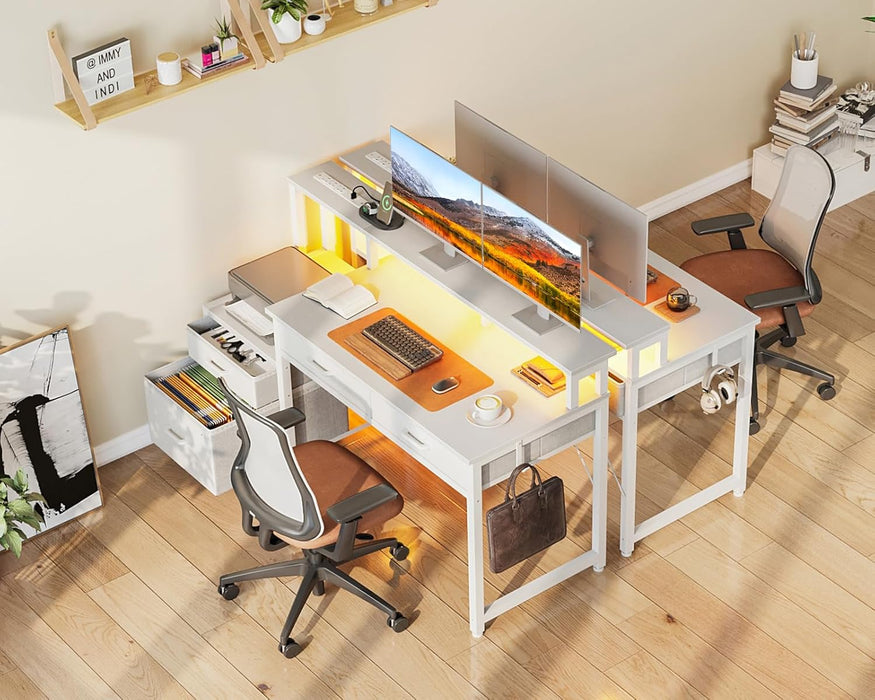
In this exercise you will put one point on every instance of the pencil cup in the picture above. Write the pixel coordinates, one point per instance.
(803, 74)
(169, 69)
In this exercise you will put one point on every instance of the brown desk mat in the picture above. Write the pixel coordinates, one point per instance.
(418, 384)
(659, 288)
(675, 316)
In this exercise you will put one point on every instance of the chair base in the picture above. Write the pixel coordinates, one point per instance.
(316, 568)
(764, 356)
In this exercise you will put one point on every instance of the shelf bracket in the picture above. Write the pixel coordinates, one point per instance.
(245, 28)
(267, 30)
(66, 68)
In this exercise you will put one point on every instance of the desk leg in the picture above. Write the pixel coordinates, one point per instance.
(628, 474)
(283, 380)
(742, 417)
(476, 600)
(600, 487)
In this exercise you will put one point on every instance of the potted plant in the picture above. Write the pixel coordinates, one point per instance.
(16, 509)
(226, 39)
(285, 18)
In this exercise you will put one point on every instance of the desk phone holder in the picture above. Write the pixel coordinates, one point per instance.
(365, 211)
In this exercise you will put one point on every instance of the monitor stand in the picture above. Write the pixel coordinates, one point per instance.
(593, 292)
(444, 255)
(537, 319)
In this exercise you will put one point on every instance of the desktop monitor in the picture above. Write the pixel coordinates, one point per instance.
(615, 232)
(501, 161)
(432, 191)
(534, 258)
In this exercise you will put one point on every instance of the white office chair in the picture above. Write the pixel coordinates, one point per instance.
(779, 285)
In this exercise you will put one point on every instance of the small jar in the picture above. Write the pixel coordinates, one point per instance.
(366, 7)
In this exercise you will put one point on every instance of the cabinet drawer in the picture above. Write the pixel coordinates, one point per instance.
(421, 445)
(332, 376)
(206, 454)
(255, 383)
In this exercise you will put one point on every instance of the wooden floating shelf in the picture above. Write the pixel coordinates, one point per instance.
(344, 20)
(148, 90)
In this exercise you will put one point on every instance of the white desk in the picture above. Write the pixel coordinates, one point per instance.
(657, 360)
(470, 311)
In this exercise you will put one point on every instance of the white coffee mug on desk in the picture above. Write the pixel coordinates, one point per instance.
(488, 407)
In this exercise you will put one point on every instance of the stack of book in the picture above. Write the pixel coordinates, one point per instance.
(806, 117)
(204, 63)
(199, 393)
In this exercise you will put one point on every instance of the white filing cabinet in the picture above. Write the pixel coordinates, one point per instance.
(208, 453)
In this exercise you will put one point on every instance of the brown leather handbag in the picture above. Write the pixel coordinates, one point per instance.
(526, 523)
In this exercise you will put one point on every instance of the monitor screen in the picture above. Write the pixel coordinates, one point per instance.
(531, 256)
(501, 161)
(616, 231)
(432, 191)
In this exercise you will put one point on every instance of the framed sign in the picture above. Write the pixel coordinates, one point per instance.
(106, 71)
(42, 427)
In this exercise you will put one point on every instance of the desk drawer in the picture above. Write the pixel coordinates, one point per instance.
(254, 383)
(330, 374)
(420, 444)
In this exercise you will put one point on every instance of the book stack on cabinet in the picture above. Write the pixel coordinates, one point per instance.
(806, 117)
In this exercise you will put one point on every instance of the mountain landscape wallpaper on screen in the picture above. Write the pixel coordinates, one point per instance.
(435, 193)
(531, 256)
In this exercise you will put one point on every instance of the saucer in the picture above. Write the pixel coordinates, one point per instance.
(501, 419)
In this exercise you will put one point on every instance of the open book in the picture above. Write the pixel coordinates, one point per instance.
(338, 293)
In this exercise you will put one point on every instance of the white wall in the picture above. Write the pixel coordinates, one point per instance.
(124, 231)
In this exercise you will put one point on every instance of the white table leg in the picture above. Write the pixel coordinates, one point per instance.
(742, 417)
(600, 487)
(476, 600)
(283, 378)
(628, 474)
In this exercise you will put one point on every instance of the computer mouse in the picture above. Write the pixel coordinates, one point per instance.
(442, 386)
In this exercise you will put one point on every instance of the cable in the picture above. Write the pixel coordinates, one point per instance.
(364, 189)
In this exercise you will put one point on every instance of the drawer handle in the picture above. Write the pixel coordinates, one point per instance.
(320, 367)
(415, 439)
(178, 437)
(218, 366)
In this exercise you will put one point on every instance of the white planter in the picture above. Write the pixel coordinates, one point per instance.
(228, 48)
(288, 30)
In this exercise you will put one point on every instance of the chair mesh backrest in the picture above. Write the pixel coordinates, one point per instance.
(794, 216)
(273, 475)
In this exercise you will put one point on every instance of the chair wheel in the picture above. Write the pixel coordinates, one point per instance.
(826, 391)
(399, 552)
(229, 591)
(290, 649)
(319, 588)
(788, 342)
(753, 428)
(398, 622)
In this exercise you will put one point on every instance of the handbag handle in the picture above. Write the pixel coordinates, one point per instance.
(510, 487)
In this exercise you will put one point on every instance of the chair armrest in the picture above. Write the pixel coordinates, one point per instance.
(718, 224)
(287, 418)
(777, 297)
(354, 507)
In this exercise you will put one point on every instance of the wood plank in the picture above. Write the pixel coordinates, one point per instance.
(570, 676)
(6, 664)
(867, 343)
(729, 633)
(478, 665)
(787, 623)
(642, 672)
(252, 651)
(40, 654)
(167, 637)
(174, 579)
(80, 555)
(815, 593)
(17, 686)
(91, 633)
(863, 453)
(699, 664)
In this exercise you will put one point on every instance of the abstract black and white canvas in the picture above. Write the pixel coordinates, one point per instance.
(42, 427)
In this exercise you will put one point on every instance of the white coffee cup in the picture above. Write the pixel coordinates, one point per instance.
(487, 407)
(169, 68)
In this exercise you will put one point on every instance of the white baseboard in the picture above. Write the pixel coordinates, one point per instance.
(122, 445)
(697, 190)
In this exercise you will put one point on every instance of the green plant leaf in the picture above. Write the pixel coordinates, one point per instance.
(3, 526)
(869, 19)
(31, 497)
(21, 509)
(6, 481)
(19, 481)
(11, 540)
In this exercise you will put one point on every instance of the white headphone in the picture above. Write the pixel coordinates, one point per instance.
(725, 393)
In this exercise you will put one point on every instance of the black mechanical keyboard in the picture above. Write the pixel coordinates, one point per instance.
(402, 342)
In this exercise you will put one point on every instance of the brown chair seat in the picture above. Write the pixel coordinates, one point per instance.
(738, 273)
(335, 473)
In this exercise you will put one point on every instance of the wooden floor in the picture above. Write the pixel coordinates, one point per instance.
(769, 595)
